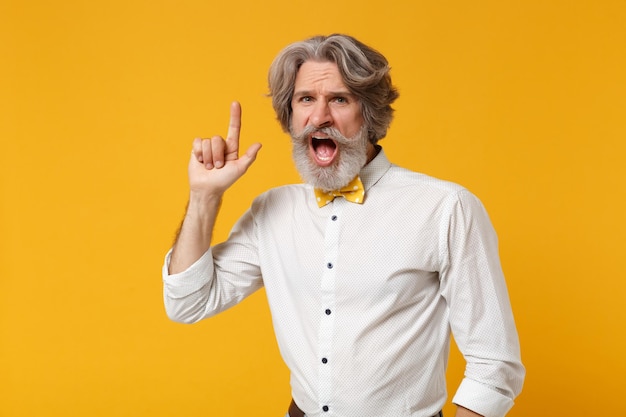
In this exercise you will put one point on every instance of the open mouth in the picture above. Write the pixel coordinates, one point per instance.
(324, 150)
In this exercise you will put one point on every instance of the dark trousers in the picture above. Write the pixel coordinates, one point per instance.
(294, 411)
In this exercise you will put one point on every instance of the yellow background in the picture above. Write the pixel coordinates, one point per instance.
(523, 102)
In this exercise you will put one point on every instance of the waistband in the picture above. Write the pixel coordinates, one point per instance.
(294, 411)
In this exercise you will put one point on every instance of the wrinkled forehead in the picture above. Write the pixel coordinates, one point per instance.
(317, 75)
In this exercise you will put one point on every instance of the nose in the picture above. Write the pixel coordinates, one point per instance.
(321, 115)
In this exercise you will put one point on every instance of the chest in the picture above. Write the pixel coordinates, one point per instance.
(358, 252)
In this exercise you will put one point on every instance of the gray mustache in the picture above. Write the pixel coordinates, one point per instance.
(328, 131)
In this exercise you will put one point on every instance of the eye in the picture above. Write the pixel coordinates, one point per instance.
(340, 100)
(306, 99)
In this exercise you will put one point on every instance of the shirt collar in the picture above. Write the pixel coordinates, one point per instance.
(374, 171)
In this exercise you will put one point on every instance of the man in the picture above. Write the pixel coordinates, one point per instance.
(363, 288)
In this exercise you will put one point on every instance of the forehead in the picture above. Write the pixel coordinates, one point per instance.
(319, 75)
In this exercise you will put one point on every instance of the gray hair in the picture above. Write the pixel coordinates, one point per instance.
(365, 73)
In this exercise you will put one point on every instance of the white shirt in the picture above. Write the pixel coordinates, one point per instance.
(363, 296)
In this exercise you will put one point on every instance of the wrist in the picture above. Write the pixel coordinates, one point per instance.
(202, 201)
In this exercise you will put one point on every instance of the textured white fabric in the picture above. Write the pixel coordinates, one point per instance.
(363, 297)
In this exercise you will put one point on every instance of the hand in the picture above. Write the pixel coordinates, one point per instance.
(215, 163)
(464, 412)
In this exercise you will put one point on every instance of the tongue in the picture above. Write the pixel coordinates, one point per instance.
(325, 148)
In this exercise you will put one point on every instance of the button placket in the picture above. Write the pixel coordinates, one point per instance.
(326, 329)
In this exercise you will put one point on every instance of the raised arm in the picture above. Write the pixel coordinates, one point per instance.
(214, 166)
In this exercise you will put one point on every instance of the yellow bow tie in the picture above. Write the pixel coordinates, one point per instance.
(352, 192)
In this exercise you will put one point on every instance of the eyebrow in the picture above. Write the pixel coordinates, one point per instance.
(344, 93)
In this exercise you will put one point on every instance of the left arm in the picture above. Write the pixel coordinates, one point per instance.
(480, 312)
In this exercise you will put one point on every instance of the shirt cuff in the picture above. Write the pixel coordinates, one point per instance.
(190, 280)
(482, 399)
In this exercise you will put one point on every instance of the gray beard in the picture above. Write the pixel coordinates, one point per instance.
(351, 157)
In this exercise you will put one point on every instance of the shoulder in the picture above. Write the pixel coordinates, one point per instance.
(401, 179)
(422, 191)
(282, 197)
(389, 180)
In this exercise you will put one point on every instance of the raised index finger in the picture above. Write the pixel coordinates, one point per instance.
(234, 127)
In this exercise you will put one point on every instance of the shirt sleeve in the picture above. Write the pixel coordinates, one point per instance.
(480, 312)
(222, 277)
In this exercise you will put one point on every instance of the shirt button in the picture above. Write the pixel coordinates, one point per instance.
(329, 265)
(325, 408)
(324, 360)
(334, 218)
(327, 312)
